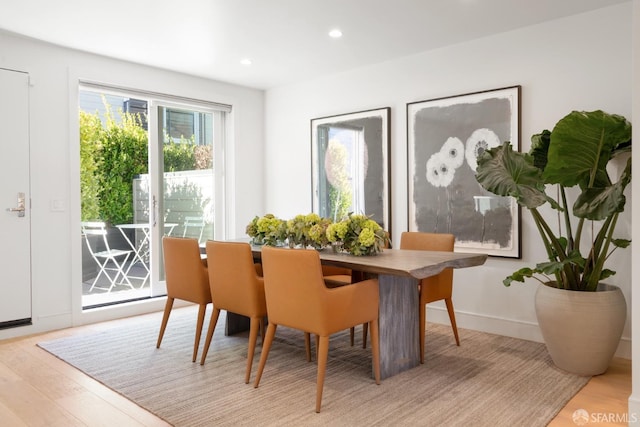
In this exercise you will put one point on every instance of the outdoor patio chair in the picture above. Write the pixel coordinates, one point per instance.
(108, 259)
(193, 222)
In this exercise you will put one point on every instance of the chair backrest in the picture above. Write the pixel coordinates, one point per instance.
(185, 272)
(233, 279)
(294, 287)
(196, 222)
(429, 242)
(95, 228)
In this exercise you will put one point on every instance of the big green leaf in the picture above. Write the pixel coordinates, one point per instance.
(540, 148)
(505, 172)
(588, 140)
(599, 203)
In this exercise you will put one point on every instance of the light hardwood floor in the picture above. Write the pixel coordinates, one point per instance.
(38, 389)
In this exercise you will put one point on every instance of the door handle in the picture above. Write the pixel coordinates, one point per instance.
(20, 208)
(154, 212)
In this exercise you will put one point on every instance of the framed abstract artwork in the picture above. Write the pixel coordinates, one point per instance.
(350, 165)
(445, 136)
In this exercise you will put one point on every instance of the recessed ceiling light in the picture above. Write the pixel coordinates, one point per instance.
(335, 33)
(245, 61)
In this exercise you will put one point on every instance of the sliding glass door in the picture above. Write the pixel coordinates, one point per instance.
(147, 171)
(184, 205)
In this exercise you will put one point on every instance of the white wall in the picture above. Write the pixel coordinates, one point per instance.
(54, 143)
(578, 63)
(634, 400)
(581, 62)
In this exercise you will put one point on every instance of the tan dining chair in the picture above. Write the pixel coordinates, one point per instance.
(335, 276)
(297, 297)
(341, 276)
(236, 287)
(187, 280)
(434, 288)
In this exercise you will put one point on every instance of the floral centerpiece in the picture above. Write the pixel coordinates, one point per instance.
(358, 235)
(267, 230)
(308, 230)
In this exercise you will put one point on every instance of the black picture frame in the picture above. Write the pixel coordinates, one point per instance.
(444, 138)
(364, 138)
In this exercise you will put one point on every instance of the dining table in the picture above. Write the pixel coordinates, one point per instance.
(399, 272)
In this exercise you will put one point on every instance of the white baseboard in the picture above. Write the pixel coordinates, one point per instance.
(634, 411)
(507, 327)
(436, 314)
(54, 322)
(38, 325)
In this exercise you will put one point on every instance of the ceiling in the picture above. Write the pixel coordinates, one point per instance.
(286, 40)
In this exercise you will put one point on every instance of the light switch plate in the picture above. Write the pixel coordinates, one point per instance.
(57, 205)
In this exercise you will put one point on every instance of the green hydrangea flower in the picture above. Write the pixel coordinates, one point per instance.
(367, 237)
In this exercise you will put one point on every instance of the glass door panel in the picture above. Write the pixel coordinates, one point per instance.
(147, 171)
(186, 176)
(115, 227)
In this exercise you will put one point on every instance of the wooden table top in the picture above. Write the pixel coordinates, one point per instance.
(398, 262)
(404, 262)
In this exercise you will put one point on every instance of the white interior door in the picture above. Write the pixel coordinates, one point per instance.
(15, 215)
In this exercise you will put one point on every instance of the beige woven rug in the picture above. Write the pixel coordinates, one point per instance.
(489, 380)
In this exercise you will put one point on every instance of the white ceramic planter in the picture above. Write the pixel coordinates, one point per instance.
(581, 329)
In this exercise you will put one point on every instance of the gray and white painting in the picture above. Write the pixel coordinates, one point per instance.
(445, 139)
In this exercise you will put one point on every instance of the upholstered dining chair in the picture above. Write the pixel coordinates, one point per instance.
(335, 276)
(187, 279)
(341, 276)
(235, 287)
(434, 288)
(297, 297)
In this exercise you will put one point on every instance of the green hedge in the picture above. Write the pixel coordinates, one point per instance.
(111, 156)
(123, 155)
(91, 135)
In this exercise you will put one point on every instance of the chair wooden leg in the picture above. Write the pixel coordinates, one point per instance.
(307, 345)
(212, 326)
(271, 331)
(323, 352)
(262, 330)
(253, 338)
(375, 349)
(365, 328)
(352, 333)
(452, 318)
(422, 329)
(165, 318)
(201, 312)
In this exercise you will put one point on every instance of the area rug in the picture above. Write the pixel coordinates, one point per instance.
(489, 380)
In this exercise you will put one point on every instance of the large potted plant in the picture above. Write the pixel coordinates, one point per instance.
(581, 318)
